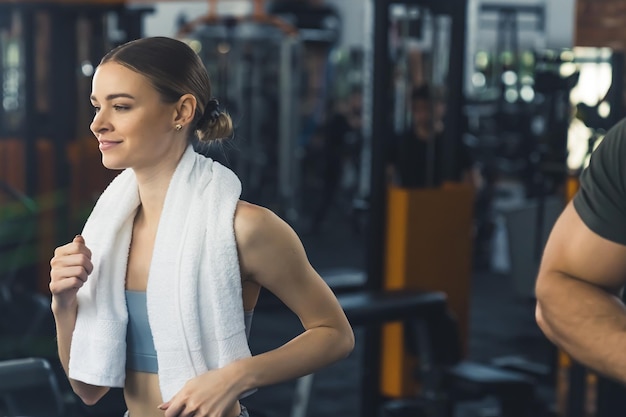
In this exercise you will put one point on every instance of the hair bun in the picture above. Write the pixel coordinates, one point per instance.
(211, 112)
(214, 123)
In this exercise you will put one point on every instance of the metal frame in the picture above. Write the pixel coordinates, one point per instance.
(288, 161)
(242, 88)
(371, 399)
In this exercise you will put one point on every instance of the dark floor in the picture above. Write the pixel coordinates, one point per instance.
(502, 324)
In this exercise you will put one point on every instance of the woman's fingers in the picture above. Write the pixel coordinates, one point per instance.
(59, 287)
(74, 247)
(69, 270)
(63, 263)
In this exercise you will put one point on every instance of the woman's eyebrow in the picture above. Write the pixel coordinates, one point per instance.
(113, 96)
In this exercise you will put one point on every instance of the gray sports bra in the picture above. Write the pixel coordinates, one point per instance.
(140, 351)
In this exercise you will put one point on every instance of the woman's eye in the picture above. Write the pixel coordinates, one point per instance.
(96, 109)
(120, 107)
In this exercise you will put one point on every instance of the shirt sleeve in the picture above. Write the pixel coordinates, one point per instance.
(601, 200)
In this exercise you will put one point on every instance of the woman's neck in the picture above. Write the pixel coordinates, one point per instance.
(152, 200)
(153, 184)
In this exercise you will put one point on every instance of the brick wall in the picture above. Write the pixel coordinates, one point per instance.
(601, 23)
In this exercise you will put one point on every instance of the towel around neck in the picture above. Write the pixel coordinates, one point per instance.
(194, 289)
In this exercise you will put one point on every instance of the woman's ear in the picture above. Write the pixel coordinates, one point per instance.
(185, 110)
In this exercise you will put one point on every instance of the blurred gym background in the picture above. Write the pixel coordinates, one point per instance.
(437, 276)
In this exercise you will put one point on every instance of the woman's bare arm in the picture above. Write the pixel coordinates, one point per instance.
(272, 255)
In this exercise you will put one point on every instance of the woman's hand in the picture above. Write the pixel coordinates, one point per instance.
(212, 394)
(70, 267)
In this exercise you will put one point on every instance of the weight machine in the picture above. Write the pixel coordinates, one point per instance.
(255, 61)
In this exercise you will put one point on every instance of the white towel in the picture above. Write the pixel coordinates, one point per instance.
(194, 289)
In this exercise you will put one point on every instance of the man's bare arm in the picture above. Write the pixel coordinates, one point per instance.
(578, 295)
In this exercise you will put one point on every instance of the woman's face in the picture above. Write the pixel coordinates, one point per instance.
(134, 127)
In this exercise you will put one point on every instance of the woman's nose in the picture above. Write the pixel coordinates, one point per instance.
(99, 123)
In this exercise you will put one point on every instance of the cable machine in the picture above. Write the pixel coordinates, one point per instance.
(378, 84)
(256, 64)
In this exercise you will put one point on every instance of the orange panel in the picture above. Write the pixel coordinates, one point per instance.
(397, 217)
(429, 247)
(572, 184)
(397, 378)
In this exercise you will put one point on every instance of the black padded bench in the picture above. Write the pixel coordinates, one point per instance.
(514, 391)
(366, 308)
(448, 381)
(370, 310)
(432, 336)
(29, 387)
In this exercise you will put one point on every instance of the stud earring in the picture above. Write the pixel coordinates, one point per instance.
(178, 126)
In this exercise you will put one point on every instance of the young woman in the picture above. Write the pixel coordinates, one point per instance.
(157, 292)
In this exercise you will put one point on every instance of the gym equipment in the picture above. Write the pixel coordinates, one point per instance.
(255, 61)
(448, 382)
(380, 80)
(426, 228)
(29, 387)
(370, 310)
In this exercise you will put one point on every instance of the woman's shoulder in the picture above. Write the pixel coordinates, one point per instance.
(263, 237)
(252, 221)
(250, 215)
(256, 225)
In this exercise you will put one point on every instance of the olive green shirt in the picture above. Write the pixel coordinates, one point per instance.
(601, 199)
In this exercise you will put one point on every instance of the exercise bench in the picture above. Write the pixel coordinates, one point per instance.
(370, 310)
(447, 380)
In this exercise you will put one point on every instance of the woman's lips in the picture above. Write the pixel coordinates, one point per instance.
(106, 145)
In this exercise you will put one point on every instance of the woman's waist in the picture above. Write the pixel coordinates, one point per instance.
(142, 394)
